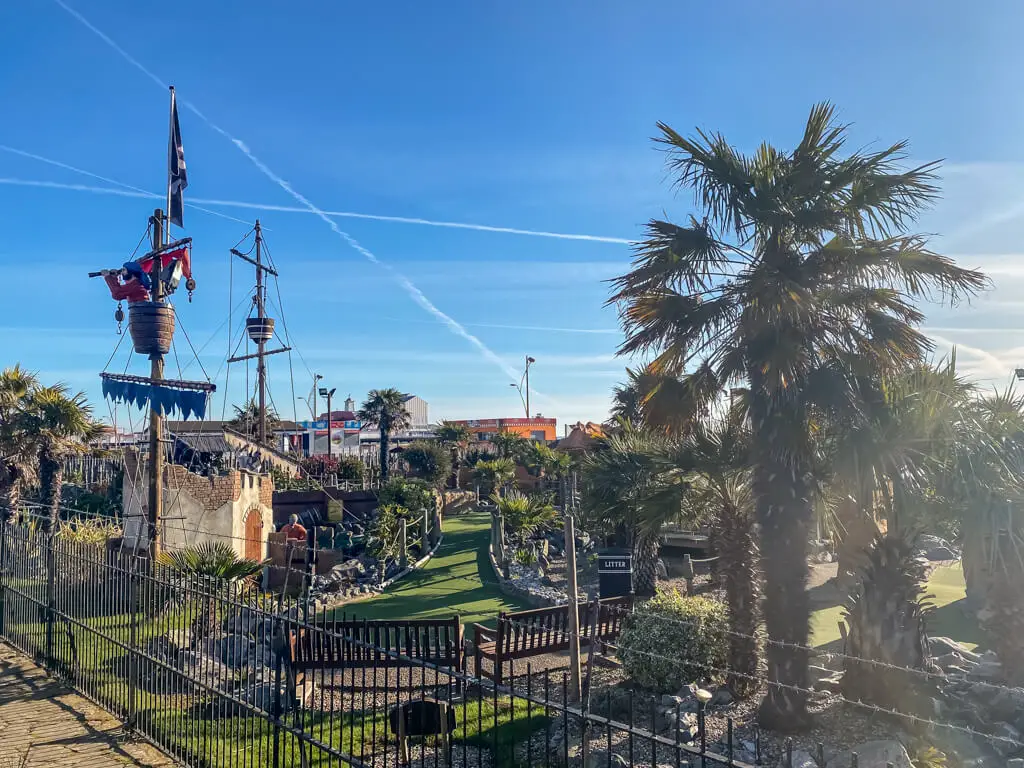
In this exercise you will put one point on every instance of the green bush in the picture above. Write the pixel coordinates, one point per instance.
(673, 640)
(414, 495)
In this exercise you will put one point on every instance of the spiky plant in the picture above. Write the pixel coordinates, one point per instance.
(217, 564)
(885, 617)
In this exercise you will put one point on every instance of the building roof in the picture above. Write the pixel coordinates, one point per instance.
(578, 440)
(212, 442)
(198, 426)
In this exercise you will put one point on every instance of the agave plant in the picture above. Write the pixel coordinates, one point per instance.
(885, 617)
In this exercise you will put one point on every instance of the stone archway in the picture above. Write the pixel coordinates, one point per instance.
(254, 534)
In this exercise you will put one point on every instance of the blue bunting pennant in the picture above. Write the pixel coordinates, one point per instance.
(166, 400)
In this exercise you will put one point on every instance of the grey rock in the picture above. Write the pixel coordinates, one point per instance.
(938, 554)
(660, 570)
(599, 758)
(801, 759)
(236, 651)
(942, 645)
(721, 697)
(986, 670)
(874, 754)
(668, 700)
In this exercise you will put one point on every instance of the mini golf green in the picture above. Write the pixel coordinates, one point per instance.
(458, 579)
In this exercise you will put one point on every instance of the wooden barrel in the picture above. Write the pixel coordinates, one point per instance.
(151, 325)
(260, 329)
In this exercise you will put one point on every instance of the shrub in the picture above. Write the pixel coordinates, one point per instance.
(414, 495)
(428, 461)
(673, 640)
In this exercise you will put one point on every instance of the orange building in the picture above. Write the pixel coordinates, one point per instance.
(534, 429)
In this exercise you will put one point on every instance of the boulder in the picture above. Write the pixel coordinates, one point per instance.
(874, 754)
(660, 571)
(801, 759)
(236, 651)
(599, 758)
(938, 554)
(939, 646)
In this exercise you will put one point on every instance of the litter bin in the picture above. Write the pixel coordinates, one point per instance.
(615, 572)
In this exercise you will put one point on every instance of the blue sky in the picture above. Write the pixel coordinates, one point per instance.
(536, 116)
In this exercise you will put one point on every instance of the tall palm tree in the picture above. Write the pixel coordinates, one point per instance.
(796, 280)
(510, 445)
(18, 451)
(61, 424)
(385, 409)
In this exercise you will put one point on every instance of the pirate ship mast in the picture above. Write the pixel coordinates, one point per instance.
(147, 284)
(260, 330)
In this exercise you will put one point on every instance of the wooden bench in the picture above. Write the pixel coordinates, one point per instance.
(357, 643)
(541, 631)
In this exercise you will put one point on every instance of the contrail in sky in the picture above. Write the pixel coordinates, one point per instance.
(415, 293)
(139, 192)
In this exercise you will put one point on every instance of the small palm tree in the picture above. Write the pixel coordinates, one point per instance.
(510, 445)
(246, 420)
(61, 424)
(494, 474)
(18, 449)
(618, 480)
(385, 409)
(524, 515)
(218, 563)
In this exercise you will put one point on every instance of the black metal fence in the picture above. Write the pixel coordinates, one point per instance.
(204, 670)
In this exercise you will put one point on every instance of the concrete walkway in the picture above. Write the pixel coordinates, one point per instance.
(44, 725)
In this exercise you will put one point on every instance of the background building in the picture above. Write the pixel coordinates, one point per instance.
(537, 428)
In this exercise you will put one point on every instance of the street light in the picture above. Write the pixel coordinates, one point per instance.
(328, 393)
(316, 378)
(525, 378)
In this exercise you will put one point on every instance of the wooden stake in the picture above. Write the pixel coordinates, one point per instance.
(575, 690)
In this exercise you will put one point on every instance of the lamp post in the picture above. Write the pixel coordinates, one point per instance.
(316, 380)
(519, 387)
(328, 393)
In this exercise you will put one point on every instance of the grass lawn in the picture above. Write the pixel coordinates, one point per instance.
(458, 580)
(949, 619)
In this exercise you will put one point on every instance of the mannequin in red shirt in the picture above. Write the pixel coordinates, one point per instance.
(131, 289)
(294, 531)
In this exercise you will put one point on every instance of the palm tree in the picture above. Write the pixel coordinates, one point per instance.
(510, 445)
(713, 460)
(494, 474)
(886, 463)
(617, 497)
(455, 437)
(247, 419)
(213, 562)
(61, 424)
(18, 451)
(796, 280)
(385, 409)
(524, 515)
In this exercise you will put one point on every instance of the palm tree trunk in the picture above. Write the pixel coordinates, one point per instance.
(645, 564)
(51, 476)
(975, 559)
(741, 570)
(784, 512)
(859, 530)
(10, 494)
(384, 438)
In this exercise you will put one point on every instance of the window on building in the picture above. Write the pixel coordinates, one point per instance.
(538, 434)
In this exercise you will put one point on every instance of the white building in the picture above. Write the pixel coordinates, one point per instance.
(418, 409)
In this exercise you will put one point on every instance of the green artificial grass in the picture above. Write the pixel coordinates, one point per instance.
(948, 591)
(458, 579)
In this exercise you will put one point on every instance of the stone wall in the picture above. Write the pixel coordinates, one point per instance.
(197, 508)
